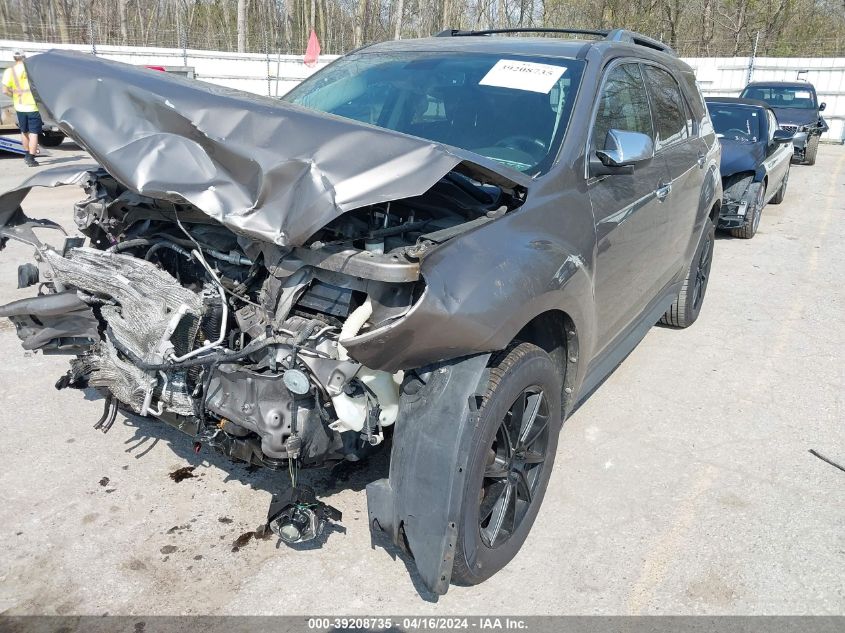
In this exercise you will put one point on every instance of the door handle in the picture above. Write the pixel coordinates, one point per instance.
(701, 160)
(662, 191)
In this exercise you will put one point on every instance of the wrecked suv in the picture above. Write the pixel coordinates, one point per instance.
(445, 243)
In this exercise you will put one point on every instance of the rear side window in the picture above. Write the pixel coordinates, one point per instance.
(623, 104)
(670, 116)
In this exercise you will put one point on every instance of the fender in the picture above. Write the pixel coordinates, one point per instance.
(487, 285)
(419, 505)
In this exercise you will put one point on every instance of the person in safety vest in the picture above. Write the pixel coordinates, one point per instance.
(16, 85)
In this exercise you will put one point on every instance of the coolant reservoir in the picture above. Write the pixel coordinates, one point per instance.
(387, 392)
(352, 411)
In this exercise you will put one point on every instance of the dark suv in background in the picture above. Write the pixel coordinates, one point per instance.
(450, 241)
(797, 109)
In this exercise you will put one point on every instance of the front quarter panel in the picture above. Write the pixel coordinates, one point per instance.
(484, 286)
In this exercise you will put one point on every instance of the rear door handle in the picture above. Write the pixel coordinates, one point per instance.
(662, 191)
(701, 160)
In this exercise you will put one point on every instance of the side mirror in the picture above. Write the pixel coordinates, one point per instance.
(622, 151)
(782, 136)
(822, 106)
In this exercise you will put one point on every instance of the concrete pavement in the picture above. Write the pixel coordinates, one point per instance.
(683, 486)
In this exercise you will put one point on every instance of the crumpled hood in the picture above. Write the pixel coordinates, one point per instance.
(264, 168)
(737, 156)
(795, 116)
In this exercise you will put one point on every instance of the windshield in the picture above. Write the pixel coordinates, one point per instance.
(782, 97)
(738, 123)
(513, 110)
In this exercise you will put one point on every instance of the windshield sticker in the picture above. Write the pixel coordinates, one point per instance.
(802, 94)
(508, 73)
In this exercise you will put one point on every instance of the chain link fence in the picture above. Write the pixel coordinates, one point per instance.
(268, 39)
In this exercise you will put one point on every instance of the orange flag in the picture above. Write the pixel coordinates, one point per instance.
(312, 52)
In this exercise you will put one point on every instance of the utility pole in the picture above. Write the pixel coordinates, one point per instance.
(242, 26)
(753, 57)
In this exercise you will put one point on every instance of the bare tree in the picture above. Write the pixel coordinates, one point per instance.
(714, 27)
(360, 22)
(400, 11)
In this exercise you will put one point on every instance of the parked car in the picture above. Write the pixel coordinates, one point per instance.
(797, 109)
(451, 240)
(756, 155)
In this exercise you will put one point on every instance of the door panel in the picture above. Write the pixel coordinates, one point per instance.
(681, 149)
(778, 157)
(629, 214)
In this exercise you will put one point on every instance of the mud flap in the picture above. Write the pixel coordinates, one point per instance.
(419, 505)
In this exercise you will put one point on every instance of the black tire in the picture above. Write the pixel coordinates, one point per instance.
(756, 195)
(781, 193)
(499, 471)
(684, 311)
(51, 139)
(811, 150)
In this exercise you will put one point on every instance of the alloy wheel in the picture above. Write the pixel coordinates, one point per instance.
(514, 466)
(702, 271)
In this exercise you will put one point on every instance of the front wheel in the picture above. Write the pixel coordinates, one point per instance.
(756, 196)
(684, 311)
(510, 461)
(812, 149)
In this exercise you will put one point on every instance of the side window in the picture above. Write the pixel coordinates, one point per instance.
(623, 105)
(668, 106)
(773, 125)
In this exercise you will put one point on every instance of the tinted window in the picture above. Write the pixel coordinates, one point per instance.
(782, 97)
(514, 111)
(667, 105)
(623, 105)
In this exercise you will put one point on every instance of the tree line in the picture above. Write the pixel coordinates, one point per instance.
(807, 28)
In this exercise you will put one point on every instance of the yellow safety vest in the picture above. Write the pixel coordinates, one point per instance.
(16, 80)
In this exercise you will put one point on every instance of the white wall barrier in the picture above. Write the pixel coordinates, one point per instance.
(274, 75)
(269, 75)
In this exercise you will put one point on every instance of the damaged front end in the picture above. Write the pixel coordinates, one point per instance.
(240, 292)
(741, 192)
(238, 341)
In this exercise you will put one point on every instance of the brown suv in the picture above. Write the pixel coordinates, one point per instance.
(447, 243)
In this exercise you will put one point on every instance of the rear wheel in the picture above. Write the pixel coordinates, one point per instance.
(756, 196)
(779, 196)
(510, 461)
(684, 311)
(812, 150)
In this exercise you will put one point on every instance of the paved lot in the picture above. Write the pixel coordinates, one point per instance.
(683, 486)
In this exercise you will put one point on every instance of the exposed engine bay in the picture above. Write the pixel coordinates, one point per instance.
(172, 315)
(245, 273)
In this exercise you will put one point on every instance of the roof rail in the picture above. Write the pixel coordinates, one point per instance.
(624, 35)
(458, 32)
(616, 35)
